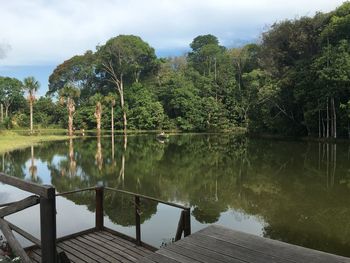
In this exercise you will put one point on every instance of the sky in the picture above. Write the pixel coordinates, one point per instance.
(37, 35)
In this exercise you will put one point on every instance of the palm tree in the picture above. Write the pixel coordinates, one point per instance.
(67, 96)
(31, 85)
(110, 98)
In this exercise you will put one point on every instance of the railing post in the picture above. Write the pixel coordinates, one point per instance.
(48, 226)
(99, 208)
(180, 226)
(138, 220)
(187, 222)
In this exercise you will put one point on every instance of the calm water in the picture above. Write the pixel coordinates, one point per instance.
(297, 192)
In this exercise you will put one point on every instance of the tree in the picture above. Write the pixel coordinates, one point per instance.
(111, 99)
(126, 58)
(11, 92)
(67, 96)
(78, 70)
(97, 99)
(31, 85)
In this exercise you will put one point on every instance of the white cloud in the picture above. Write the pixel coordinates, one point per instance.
(49, 31)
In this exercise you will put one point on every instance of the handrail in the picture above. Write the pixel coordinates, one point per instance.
(76, 191)
(147, 197)
(41, 190)
(184, 224)
(45, 195)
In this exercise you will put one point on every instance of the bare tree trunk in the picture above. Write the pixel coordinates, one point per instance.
(98, 156)
(1, 113)
(319, 121)
(98, 116)
(7, 110)
(71, 110)
(31, 115)
(327, 119)
(72, 161)
(323, 129)
(112, 119)
(334, 120)
(122, 104)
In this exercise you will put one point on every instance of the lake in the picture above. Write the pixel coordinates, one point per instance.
(294, 191)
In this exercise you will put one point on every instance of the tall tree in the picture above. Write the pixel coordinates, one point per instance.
(126, 58)
(31, 85)
(67, 96)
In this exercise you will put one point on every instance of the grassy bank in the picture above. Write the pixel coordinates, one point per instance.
(10, 140)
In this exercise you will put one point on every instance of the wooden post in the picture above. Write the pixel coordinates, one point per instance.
(138, 220)
(180, 226)
(187, 223)
(48, 226)
(99, 208)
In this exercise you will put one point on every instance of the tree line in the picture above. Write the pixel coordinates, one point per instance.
(295, 81)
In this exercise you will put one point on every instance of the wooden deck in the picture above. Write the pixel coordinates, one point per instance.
(216, 244)
(97, 246)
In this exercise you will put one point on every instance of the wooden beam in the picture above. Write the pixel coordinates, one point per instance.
(48, 227)
(34, 188)
(147, 198)
(138, 220)
(20, 205)
(25, 234)
(14, 244)
(187, 222)
(180, 226)
(99, 216)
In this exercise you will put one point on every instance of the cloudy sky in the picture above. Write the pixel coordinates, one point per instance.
(36, 35)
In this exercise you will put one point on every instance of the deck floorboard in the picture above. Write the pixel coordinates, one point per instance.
(99, 246)
(216, 244)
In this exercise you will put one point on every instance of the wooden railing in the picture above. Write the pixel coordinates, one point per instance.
(184, 225)
(46, 196)
(43, 195)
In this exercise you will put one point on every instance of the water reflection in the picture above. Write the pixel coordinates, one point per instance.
(298, 192)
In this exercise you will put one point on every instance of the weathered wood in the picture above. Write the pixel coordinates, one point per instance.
(138, 220)
(48, 226)
(216, 244)
(42, 190)
(187, 222)
(99, 217)
(76, 191)
(19, 205)
(180, 226)
(25, 234)
(146, 197)
(12, 241)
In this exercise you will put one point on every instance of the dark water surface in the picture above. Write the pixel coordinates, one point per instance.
(297, 192)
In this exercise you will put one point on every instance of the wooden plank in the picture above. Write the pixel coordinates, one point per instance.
(175, 256)
(24, 234)
(157, 258)
(122, 251)
(108, 254)
(232, 250)
(116, 241)
(197, 255)
(19, 205)
(84, 249)
(270, 247)
(99, 251)
(12, 241)
(77, 253)
(205, 251)
(132, 244)
(41, 190)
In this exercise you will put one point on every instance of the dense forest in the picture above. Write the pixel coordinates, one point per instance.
(295, 81)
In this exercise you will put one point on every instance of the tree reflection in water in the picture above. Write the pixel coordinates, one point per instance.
(299, 190)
